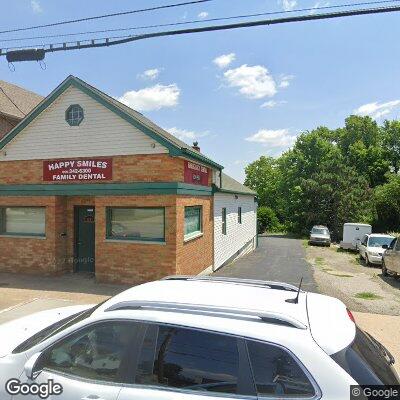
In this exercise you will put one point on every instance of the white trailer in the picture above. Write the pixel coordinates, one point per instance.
(352, 235)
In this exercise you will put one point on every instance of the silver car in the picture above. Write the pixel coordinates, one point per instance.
(320, 234)
(391, 259)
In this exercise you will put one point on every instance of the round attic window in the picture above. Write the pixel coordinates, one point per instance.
(74, 115)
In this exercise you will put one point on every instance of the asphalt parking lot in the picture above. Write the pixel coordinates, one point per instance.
(277, 258)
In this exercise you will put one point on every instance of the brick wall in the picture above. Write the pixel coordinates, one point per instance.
(32, 254)
(115, 261)
(134, 168)
(196, 254)
(134, 262)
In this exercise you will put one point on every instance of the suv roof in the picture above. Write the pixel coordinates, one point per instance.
(240, 302)
(247, 297)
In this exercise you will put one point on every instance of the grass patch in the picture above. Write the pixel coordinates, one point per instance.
(367, 296)
(356, 261)
(320, 261)
(305, 243)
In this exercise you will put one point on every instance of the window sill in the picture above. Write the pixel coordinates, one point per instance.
(22, 236)
(192, 236)
(135, 241)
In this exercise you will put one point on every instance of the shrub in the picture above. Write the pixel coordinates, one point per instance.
(267, 220)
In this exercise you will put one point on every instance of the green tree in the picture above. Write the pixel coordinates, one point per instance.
(387, 203)
(391, 144)
(267, 220)
(263, 176)
(333, 196)
(361, 144)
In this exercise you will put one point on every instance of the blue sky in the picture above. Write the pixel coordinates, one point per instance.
(271, 83)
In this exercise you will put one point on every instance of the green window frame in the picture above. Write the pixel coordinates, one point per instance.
(145, 224)
(74, 115)
(224, 221)
(239, 215)
(23, 221)
(193, 221)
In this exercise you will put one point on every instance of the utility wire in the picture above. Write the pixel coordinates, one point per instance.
(106, 16)
(197, 21)
(212, 28)
(11, 100)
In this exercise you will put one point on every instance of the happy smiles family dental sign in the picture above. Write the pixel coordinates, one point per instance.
(88, 169)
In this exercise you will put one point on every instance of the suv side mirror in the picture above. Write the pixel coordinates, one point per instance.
(31, 366)
(385, 246)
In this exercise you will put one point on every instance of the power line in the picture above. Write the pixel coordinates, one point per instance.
(105, 16)
(300, 18)
(11, 100)
(196, 21)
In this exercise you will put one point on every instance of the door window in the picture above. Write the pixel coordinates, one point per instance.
(96, 353)
(189, 359)
(364, 240)
(395, 244)
(276, 373)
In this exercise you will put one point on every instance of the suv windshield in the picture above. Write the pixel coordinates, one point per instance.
(379, 241)
(367, 361)
(55, 328)
(320, 231)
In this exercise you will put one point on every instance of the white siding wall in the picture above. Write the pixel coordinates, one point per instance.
(237, 235)
(101, 133)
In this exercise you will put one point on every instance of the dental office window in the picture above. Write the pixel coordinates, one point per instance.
(23, 221)
(193, 221)
(239, 215)
(147, 224)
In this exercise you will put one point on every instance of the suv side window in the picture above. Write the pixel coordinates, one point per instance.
(276, 373)
(195, 360)
(395, 244)
(365, 240)
(98, 352)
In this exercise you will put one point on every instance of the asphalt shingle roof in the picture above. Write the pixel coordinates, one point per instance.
(25, 100)
(231, 185)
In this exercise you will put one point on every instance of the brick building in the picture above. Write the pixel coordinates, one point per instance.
(88, 184)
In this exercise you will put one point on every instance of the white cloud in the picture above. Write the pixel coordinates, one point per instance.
(377, 110)
(284, 81)
(186, 135)
(152, 98)
(203, 14)
(273, 138)
(150, 74)
(254, 82)
(36, 7)
(288, 5)
(224, 60)
(272, 103)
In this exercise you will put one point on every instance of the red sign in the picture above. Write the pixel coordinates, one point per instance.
(196, 174)
(88, 169)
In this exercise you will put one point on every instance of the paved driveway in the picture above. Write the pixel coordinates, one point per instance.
(277, 259)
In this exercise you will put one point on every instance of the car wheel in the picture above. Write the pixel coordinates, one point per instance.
(367, 263)
(384, 270)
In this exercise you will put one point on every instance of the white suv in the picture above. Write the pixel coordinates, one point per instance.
(185, 338)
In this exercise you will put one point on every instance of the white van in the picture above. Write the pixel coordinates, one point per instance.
(352, 235)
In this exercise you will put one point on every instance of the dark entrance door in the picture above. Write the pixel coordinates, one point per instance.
(84, 239)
